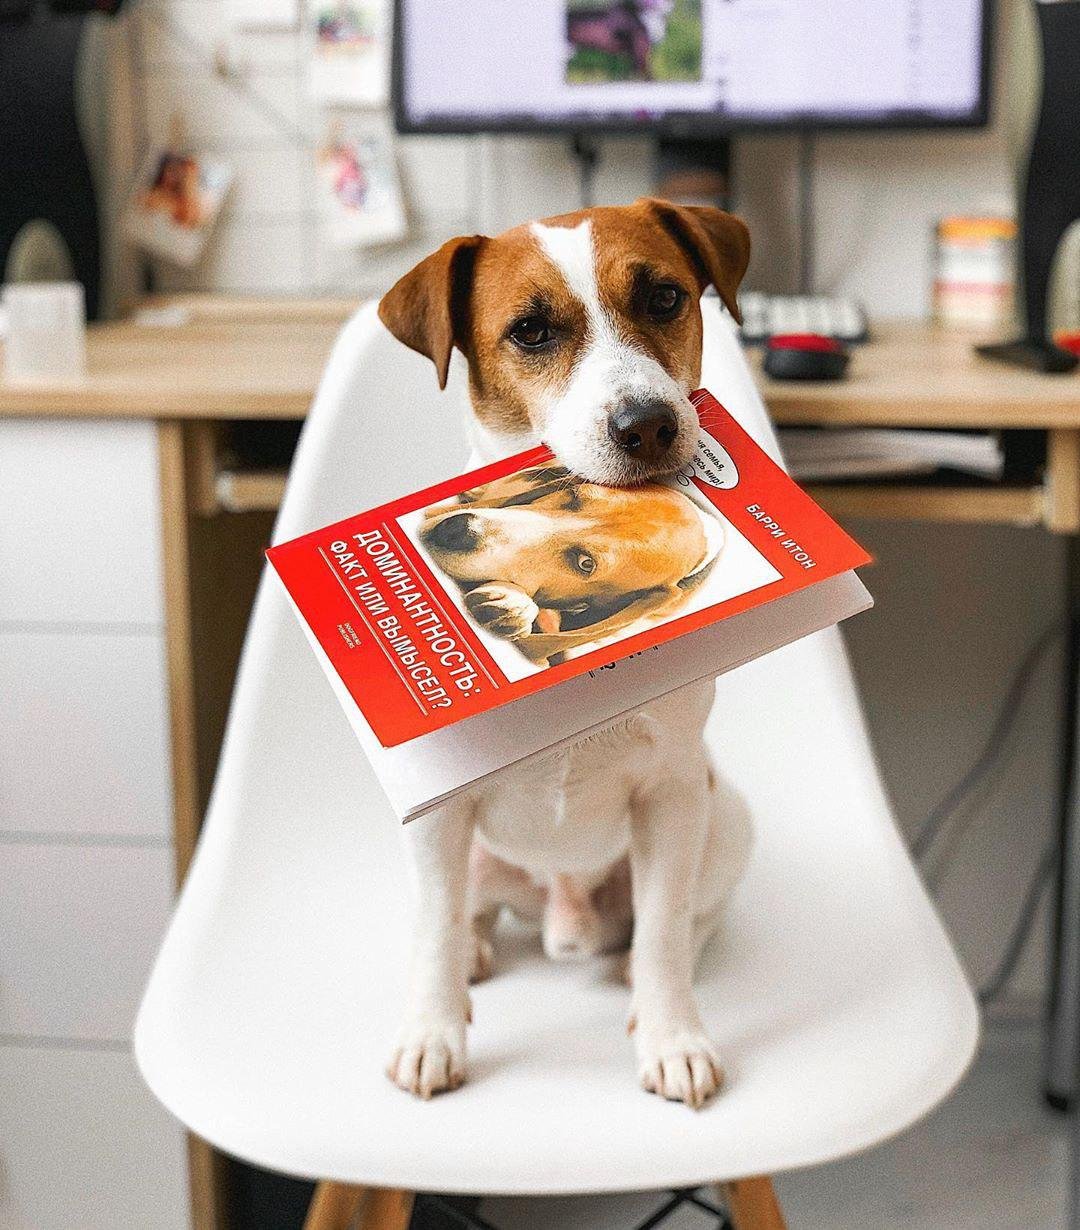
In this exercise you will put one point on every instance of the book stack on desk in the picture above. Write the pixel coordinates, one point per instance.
(824, 454)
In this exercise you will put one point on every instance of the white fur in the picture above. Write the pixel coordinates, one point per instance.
(643, 790)
(609, 370)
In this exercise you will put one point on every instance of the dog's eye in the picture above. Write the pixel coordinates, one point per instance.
(581, 561)
(531, 333)
(664, 301)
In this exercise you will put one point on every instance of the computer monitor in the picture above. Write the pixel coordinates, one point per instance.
(688, 68)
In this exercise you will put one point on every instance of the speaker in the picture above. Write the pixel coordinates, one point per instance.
(1051, 198)
(44, 172)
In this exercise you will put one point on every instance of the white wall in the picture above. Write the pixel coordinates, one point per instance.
(956, 606)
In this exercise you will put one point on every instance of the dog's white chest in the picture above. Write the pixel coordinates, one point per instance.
(570, 812)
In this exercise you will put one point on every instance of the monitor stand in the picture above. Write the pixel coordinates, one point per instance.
(694, 170)
(1038, 354)
(688, 171)
(699, 171)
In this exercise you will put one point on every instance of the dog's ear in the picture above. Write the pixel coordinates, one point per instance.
(428, 309)
(717, 243)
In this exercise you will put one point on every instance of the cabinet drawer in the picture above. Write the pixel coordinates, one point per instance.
(83, 1144)
(79, 538)
(84, 744)
(80, 927)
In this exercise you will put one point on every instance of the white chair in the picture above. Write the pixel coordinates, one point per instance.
(834, 994)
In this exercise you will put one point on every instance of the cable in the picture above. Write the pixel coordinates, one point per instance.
(587, 155)
(999, 733)
(807, 213)
(980, 769)
(1029, 908)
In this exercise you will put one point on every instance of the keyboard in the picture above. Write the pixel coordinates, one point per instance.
(766, 315)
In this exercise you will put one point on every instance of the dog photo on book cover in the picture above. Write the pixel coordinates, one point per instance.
(548, 567)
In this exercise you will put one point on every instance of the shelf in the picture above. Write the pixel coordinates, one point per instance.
(1025, 506)
(250, 490)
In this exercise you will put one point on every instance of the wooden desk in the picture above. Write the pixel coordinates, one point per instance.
(237, 360)
(918, 376)
(243, 360)
(262, 359)
(913, 375)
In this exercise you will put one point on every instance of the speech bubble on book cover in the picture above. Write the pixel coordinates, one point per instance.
(713, 465)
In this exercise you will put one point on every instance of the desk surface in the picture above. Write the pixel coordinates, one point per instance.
(262, 359)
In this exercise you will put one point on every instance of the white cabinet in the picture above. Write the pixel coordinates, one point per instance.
(86, 861)
(84, 745)
(84, 1146)
(81, 925)
(79, 535)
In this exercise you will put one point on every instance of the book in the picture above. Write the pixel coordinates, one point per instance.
(501, 615)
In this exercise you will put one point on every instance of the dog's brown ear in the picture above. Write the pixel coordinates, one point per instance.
(428, 309)
(717, 243)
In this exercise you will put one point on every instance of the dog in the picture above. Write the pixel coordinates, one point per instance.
(583, 330)
(560, 567)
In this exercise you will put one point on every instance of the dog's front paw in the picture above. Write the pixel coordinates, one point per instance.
(503, 610)
(681, 1065)
(429, 1058)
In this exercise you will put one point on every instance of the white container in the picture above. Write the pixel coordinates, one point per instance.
(45, 330)
(974, 271)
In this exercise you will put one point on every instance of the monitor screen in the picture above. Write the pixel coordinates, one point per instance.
(688, 67)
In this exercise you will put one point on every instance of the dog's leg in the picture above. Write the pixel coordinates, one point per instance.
(728, 844)
(430, 1051)
(670, 824)
(494, 883)
(588, 915)
(571, 921)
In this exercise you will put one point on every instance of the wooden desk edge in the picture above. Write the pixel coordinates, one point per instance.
(235, 359)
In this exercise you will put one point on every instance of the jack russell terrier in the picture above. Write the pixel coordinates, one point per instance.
(584, 331)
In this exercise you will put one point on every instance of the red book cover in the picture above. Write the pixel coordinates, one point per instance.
(517, 576)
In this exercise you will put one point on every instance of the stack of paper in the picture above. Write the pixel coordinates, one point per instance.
(826, 453)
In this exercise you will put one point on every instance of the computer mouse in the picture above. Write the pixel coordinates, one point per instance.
(804, 356)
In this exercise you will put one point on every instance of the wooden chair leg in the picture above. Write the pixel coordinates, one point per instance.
(334, 1206)
(752, 1204)
(386, 1209)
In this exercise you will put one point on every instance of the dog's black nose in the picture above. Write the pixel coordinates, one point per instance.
(644, 430)
(459, 532)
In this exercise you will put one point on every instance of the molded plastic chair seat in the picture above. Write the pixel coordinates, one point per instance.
(833, 993)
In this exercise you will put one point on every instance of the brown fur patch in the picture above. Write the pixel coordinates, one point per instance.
(514, 279)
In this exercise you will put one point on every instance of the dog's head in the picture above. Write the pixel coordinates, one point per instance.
(590, 555)
(582, 330)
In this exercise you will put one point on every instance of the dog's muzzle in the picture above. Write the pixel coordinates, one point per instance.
(458, 532)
